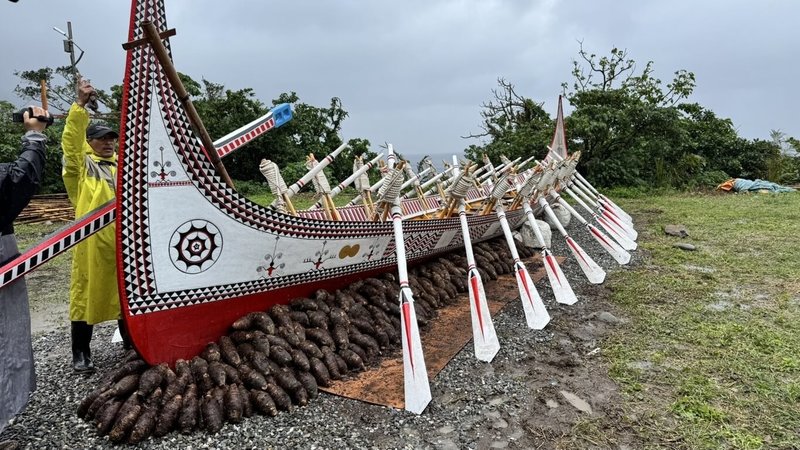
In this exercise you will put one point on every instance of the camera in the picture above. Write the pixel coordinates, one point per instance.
(19, 116)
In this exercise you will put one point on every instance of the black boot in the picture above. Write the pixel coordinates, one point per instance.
(123, 331)
(81, 350)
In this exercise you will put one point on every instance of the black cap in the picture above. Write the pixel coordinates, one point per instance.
(99, 131)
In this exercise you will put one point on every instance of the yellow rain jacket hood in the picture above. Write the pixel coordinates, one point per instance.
(90, 182)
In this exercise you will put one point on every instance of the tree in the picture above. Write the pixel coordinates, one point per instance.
(60, 88)
(626, 125)
(312, 130)
(516, 126)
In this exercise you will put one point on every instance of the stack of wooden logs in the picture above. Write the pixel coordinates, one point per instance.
(47, 207)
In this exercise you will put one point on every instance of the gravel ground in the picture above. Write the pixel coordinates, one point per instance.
(513, 402)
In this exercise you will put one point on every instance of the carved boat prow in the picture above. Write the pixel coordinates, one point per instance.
(194, 255)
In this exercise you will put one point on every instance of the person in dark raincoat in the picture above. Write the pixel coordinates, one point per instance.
(19, 180)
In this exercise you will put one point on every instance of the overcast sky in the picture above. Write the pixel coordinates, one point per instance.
(414, 73)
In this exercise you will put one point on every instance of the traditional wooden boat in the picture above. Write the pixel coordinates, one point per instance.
(194, 255)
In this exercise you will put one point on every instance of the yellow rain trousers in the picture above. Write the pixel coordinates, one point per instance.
(90, 180)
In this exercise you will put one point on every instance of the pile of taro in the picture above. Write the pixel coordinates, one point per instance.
(273, 361)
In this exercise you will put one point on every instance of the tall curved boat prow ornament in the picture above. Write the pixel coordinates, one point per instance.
(194, 255)
(559, 143)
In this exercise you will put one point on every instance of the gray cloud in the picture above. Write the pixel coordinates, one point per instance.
(414, 73)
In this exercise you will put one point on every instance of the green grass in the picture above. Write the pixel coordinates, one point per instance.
(721, 325)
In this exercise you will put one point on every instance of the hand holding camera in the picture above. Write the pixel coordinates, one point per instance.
(33, 118)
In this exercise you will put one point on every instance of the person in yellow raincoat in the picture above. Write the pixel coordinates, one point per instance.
(89, 174)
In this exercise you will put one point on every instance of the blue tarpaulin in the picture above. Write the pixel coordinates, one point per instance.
(741, 184)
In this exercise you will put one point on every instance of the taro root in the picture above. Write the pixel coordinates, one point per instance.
(309, 383)
(242, 336)
(144, 426)
(83, 407)
(234, 410)
(231, 374)
(219, 395)
(368, 343)
(245, 350)
(129, 368)
(210, 353)
(151, 379)
(303, 304)
(261, 344)
(299, 397)
(363, 326)
(341, 364)
(125, 386)
(280, 397)
(320, 372)
(339, 335)
(247, 404)
(262, 321)
(168, 416)
(299, 317)
(277, 341)
(260, 363)
(98, 402)
(288, 334)
(257, 320)
(287, 380)
(323, 299)
(177, 386)
(339, 317)
(280, 314)
(181, 367)
(187, 418)
(318, 319)
(212, 413)
(320, 336)
(280, 356)
(330, 363)
(216, 371)
(124, 423)
(343, 300)
(359, 312)
(352, 359)
(358, 299)
(252, 378)
(310, 349)
(263, 403)
(105, 417)
(200, 373)
(299, 330)
(228, 350)
(300, 360)
(358, 351)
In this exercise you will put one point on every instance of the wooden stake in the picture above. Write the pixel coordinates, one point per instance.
(153, 37)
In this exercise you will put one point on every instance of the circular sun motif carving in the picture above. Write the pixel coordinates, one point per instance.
(195, 246)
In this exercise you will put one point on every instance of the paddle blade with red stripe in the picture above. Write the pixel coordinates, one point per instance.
(484, 337)
(536, 315)
(616, 233)
(594, 273)
(558, 282)
(626, 228)
(618, 253)
(610, 203)
(415, 375)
